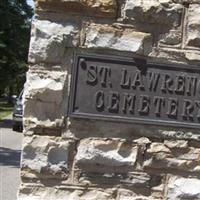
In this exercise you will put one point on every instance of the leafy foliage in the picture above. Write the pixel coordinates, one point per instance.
(15, 20)
(5, 109)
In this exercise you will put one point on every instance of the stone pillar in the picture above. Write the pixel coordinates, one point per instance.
(65, 158)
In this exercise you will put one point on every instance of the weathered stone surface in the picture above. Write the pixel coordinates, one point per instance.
(45, 86)
(142, 141)
(193, 26)
(124, 194)
(107, 37)
(178, 134)
(169, 157)
(157, 191)
(82, 129)
(131, 197)
(110, 153)
(131, 179)
(45, 157)
(101, 8)
(192, 56)
(153, 11)
(186, 1)
(176, 144)
(49, 40)
(45, 91)
(139, 162)
(39, 192)
(139, 197)
(180, 188)
(169, 55)
(174, 37)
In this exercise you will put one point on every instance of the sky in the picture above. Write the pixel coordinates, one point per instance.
(30, 2)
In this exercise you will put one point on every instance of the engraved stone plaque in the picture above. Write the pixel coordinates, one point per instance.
(132, 90)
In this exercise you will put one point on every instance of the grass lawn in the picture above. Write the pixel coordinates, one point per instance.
(5, 109)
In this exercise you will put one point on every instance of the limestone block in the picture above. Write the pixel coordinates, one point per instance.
(124, 194)
(193, 56)
(169, 55)
(153, 11)
(45, 157)
(45, 86)
(186, 1)
(38, 192)
(176, 144)
(131, 179)
(109, 153)
(45, 96)
(139, 197)
(142, 141)
(173, 38)
(49, 40)
(193, 26)
(107, 37)
(169, 157)
(141, 193)
(104, 8)
(180, 188)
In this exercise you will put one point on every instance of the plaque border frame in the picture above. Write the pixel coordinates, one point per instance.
(133, 120)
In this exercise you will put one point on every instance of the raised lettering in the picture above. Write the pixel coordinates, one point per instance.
(125, 79)
(167, 83)
(198, 107)
(105, 73)
(137, 81)
(144, 104)
(191, 85)
(172, 107)
(180, 84)
(92, 76)
(152, 80)
(129, 103)
(198, 87)
(99, 100)
(114, 99)
(158, 102)
(188, 108)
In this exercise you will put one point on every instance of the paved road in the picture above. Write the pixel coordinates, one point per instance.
(10, 150)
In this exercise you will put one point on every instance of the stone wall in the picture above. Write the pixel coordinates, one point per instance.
(81, 159)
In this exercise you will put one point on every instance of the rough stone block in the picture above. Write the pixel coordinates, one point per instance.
(131, 179)
(124, 194)
(153, 11)
(193, 26)
(45, 157)
(193, 56)
(45, 86)
(103, 8)
(172, 38)
(167, 156)
(186, 1)
(109, 153)
(49, 40)
(180, 188)
(107, 37)
(176, 144)
(39, 192)
(89, 165)
(45, 98)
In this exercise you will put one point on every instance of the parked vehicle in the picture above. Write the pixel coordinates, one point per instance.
(18, 114)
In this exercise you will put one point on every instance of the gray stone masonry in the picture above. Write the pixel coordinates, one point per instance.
(80, 159)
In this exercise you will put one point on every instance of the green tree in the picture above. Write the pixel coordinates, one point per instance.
(15, 23)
